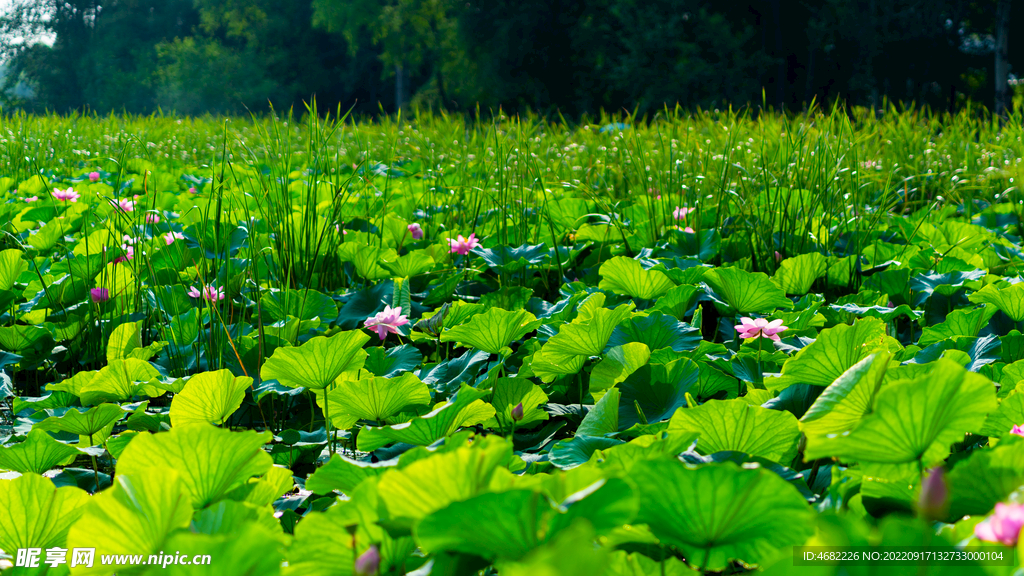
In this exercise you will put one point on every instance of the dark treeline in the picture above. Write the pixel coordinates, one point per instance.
(570, 56)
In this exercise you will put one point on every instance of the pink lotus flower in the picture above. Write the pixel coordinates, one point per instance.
(387, 321)
(463, 245)
(68, 195)
(31, 198)
(416, 231)
(752, 328)
(689, 230)
(1003, 526)
(170, 237)
(209, 293)
(778, 257)
(126, 205)
(680, 213)
(1017, 430)
(152, 218)
(129, 253)
(99, 295)
(94, 176)
(192, 190)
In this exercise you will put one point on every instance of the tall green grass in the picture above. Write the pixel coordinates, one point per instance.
(293, 182)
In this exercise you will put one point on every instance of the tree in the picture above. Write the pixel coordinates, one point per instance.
(1001, 50)
(417, 37)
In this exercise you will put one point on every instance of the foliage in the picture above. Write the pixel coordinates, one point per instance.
(572, 387)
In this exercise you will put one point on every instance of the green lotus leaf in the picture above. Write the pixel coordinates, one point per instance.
(958, 277)
(117, 443)
(677, 301)
(464, 409)
(984, 478)
(124, 340)
(264, 490)
(227, 517)
(657, 330)
(713, 381)
(587, 335)
(211, 461)
(962, 322)
(508, 298)
(601, 421)
(317, 363)
(344, 474)
(885, 313)
(914, 420)
(744, 292)
(432, 483)
(621, 458)
(390, 362)
(12, 264)
(368, 260)
(1010, 300)
(834, 351)
(136, 516)
(47, 237)
(513, 259)
(618, 363)
(249, 549)
(302, 304)
(655, 391)
(209, 397)
(37, 454)
(1009, 414)
(376, 399)
(636, 564)
(508, 525)
(847, 400)
(509, 393)
(319, 549)
(569, 453)
(734, 425)
(458, 313)
(493, 330)
(623, 275)
(323, 545)
(83, 423)
(603, 418)
(720, 512)
(570, 553)
(36, 514)
(797, 275)
(119, 381)
(412, 264)
(20, 338)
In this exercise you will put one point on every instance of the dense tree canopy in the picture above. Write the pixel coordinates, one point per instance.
(573, 56)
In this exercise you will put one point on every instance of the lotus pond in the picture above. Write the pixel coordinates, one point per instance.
(434, 345)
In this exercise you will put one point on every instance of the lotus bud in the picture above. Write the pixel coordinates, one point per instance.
(368, 562)
(99, 295)
(934, 500)
(517, 412)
